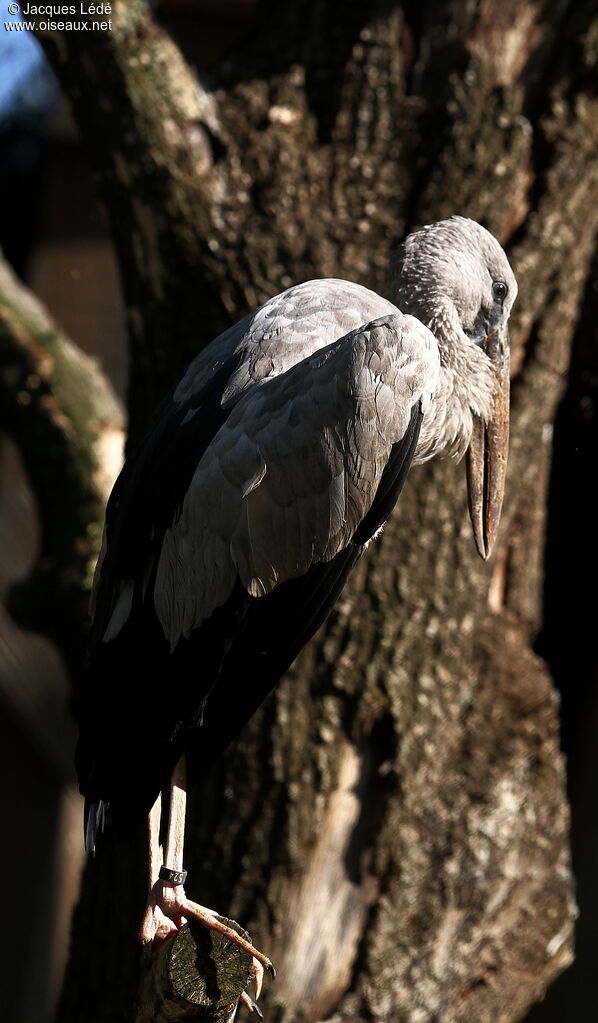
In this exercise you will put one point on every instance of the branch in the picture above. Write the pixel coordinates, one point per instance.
(57, 406)
(196, 975)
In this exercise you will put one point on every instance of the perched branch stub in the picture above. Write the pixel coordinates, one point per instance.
(196, 975)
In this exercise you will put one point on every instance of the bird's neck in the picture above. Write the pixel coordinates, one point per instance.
(465, 386)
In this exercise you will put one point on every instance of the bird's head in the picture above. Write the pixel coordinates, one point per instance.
(454, 277)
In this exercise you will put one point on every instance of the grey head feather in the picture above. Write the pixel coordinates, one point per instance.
(444, 274)
(451, 264)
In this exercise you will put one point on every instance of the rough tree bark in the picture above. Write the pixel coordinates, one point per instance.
(392, 826)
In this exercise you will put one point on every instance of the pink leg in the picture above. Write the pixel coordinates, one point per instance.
(168, 905)
(155, 925)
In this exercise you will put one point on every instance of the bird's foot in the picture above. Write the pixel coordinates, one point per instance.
(167, 910)
(156, 927)
(210, 919)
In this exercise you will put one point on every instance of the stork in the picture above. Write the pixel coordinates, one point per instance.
(263, 476)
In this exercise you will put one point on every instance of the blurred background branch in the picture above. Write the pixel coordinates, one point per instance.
(69, 428)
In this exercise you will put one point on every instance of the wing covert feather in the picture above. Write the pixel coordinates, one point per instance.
(294, 470)
(155, 477)
(283, 331)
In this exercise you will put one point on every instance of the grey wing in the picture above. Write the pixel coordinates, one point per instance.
(147, 496)
(294, 470)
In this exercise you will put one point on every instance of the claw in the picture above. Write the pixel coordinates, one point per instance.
(250, 1005)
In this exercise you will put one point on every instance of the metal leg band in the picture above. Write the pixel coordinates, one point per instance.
(172, 876)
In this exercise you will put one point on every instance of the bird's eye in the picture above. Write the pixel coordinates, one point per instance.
(499, 290)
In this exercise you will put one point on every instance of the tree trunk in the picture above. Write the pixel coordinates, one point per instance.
(391, 827)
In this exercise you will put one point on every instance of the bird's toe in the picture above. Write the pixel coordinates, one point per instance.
(257, 976)
(250, 1005)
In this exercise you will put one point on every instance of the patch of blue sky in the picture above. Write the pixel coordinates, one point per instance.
(27, 86)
